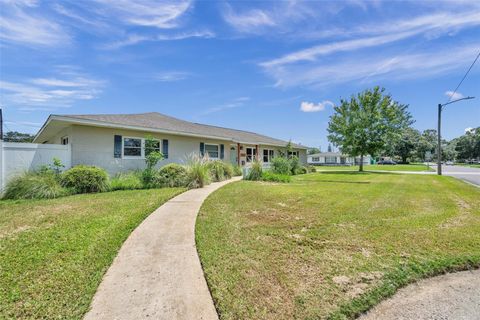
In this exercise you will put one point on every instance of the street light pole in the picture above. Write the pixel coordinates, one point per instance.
(439, 141)
(439, 134)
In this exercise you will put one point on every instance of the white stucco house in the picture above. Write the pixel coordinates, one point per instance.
(116, 141)
(335, 159)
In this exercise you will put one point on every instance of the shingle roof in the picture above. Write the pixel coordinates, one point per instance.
(155, 120)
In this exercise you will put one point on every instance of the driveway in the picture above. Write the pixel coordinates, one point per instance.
(157, 273)
(468, 174)
(453, 296)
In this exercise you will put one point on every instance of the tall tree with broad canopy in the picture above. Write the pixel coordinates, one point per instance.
(366, 123)
(405, 146)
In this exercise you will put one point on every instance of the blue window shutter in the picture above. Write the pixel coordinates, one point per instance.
(165, 148)
(202, 149)
(222, 151)
(117, 146)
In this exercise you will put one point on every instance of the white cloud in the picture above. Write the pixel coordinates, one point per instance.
(136, 38)
(171, 76)
(18, 24)
(146, 13)
(372, 67)
(427, 25)
(312, 107)
(235, 103)
(248, 21)
(50, 93)
(469, 129)
(312, 53)
(454, 95)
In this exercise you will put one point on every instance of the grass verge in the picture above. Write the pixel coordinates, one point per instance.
(331, 245)
(53, 253)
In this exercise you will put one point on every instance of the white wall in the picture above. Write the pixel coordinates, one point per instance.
(95, 146)
(16, 158)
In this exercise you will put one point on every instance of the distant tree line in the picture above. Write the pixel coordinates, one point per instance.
(15, 136)
(414, 145)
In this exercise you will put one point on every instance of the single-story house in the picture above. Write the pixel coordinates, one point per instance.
(335, 159)
(116, 141)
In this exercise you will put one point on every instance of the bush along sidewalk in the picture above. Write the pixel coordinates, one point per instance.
(50, 182)
(281, 169)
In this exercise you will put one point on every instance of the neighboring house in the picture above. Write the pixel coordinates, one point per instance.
(335, 159)
(116, 141)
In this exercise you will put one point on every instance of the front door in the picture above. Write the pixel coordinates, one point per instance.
(233, 155)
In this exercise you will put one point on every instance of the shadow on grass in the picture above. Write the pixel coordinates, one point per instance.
(349, 172)
(340, 181)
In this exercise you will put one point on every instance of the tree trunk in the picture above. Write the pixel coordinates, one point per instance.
(361, 163)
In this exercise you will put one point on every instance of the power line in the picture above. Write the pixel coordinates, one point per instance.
(461, 81)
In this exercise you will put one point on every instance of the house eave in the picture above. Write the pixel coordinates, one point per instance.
(103, 124)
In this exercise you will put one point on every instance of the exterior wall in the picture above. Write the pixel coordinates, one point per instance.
(95, 146)
(16, 158)
(57, 139)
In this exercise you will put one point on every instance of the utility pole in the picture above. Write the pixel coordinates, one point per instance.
(439, 141)
(439, 134)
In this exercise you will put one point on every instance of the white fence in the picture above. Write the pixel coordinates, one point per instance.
(16, 158)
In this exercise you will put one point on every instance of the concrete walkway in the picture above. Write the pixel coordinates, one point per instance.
(157, 272)
(454, 296)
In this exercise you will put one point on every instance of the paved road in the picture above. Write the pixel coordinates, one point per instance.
(453, 296)
(471, 175)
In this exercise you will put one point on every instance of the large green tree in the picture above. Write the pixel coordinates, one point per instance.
(404, 147)
(367, 122)
(468, 145)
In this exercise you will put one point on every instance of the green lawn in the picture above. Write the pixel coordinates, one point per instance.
(398, 167)
(331, 245)
(53, 253)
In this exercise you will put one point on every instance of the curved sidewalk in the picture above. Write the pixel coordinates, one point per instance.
(157, 272)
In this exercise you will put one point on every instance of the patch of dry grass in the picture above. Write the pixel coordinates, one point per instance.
(332, 244)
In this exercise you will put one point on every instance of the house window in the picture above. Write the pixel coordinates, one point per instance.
(132, 147)
(154, 146)
(251, 154)
(64, 140)
(292, 153)
(212, 150)
(330, 159)
(267, 155)
(316, 159)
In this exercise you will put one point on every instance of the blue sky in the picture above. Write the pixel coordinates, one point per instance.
(273, 67)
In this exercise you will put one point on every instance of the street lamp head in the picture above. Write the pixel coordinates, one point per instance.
(450, 102)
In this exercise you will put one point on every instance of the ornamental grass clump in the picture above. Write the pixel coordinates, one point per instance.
(237, 170)
(255, 172)
(217, 170)
(228, 170)
(198, 171)
(34, 185)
